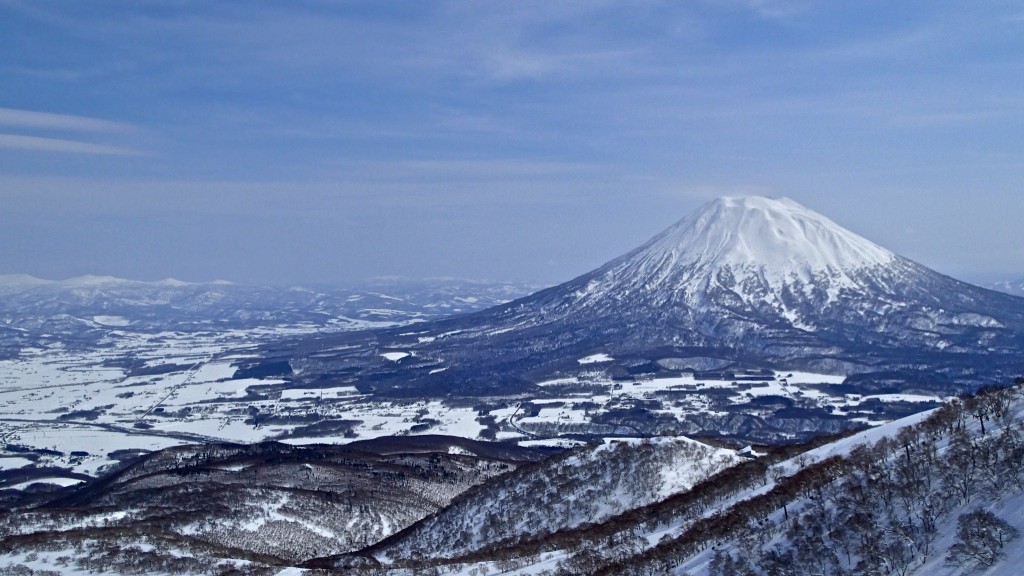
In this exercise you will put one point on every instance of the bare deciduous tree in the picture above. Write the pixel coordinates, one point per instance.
(981, 536)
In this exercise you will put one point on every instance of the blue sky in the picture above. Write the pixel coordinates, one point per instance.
(311, 141)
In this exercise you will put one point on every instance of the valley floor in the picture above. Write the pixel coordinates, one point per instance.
(83, 411)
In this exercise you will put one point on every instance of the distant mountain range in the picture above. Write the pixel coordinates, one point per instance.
(84, 310)
(1015, 287)
(741, 282)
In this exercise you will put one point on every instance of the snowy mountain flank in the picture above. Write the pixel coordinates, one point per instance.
(584, 486)
(758, 248)
(740, 283)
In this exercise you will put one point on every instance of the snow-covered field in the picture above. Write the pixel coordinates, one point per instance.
(687, 394)
(72, 409)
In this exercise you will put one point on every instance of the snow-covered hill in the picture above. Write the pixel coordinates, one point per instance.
(267, 503)
(887, 501)
(585, 486)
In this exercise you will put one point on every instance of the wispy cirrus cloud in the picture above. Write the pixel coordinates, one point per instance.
(61, 124)
(43, 144)
(13, 117)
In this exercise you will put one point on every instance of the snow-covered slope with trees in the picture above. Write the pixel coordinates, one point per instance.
(587, 485)
(271, 503)
(889, 501)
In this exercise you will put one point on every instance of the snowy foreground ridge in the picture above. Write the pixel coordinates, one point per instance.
(941, 492)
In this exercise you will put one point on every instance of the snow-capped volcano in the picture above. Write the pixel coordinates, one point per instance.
(775, 242)
(753, 281)
(760, 249)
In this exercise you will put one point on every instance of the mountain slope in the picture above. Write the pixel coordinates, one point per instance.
(748, 281)
(885, 501)
(267, 502)
(586, 485)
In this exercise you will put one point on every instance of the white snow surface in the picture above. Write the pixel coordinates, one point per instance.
(58, 480)
(777, 235)
(111, 320)
(746, 242)
(14, 462)
(595, 358)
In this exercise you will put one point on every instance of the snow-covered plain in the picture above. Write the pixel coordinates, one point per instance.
(79, 406)
(72, 408)
(687, 395)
